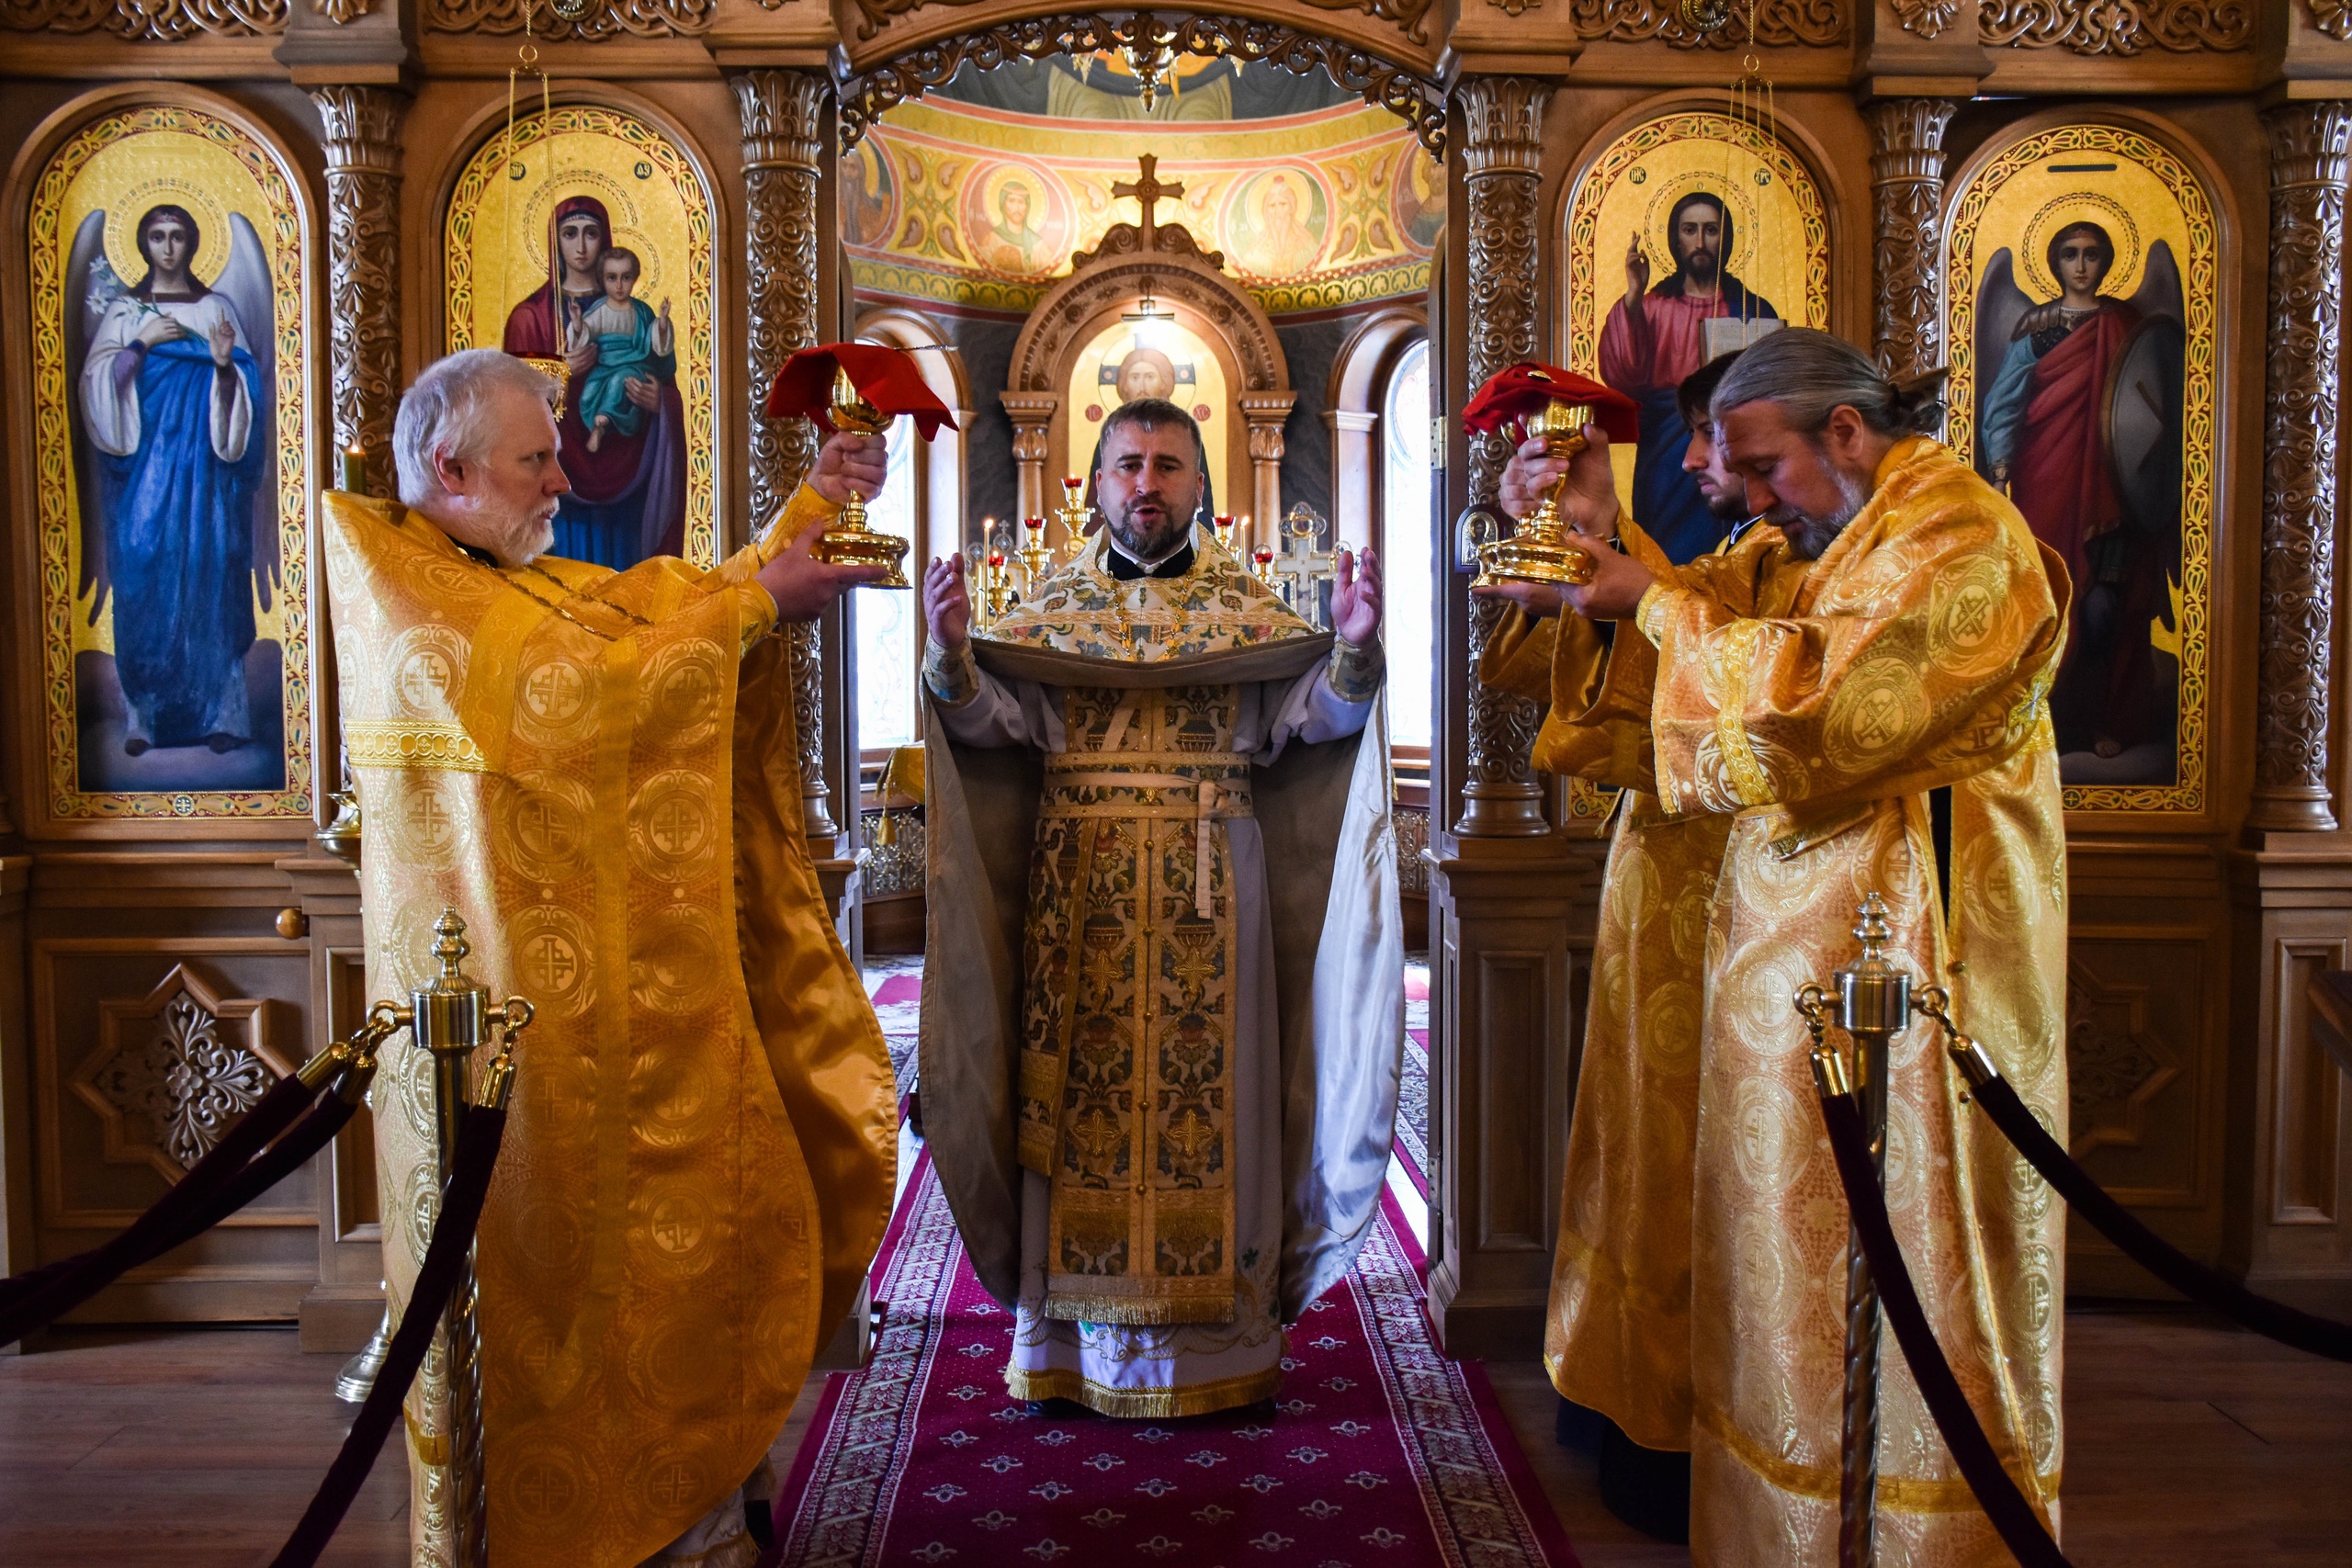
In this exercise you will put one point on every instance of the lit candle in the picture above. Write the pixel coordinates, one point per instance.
(354, 471)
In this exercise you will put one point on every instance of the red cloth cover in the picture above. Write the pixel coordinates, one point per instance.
(886, 378)
(1512, 393)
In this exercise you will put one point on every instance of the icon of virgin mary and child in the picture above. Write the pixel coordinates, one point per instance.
(622, 438)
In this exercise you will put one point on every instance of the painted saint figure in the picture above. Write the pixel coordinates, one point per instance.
(631, 342)
(1012, 241)
(1653, 338)
(629, 497)
(2046, 439)
(170, 398)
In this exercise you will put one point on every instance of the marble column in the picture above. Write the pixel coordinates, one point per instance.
(783, 115)
(1907, 231)
(2309, 144)
(1503, 121)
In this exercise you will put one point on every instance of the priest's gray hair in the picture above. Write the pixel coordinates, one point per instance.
(1811, 374)
(444, 413)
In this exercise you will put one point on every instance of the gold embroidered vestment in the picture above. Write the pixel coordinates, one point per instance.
(593, 770)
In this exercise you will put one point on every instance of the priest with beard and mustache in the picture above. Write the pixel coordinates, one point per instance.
(1862, 689)
(1160, 1056)
(1652, 340)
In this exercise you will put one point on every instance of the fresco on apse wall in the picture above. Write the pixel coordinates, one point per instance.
(959, 203)
(589, 243)
(2083, 287)
(1155, 359)
(1685, 232)
(171, 420)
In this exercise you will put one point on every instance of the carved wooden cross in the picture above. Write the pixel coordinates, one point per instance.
(1148, 191)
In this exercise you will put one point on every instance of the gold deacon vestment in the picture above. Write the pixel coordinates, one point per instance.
(1155, 1076)
(1819, 703)
(1617, 1337)
(595, 769)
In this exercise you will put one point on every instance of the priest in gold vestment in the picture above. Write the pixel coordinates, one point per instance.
(1618, 1335)
(596, 770)
(1863, 691)
(1159, 1060)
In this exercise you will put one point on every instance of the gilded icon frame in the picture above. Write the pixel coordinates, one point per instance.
(101, 125)
(656, 146)
(2189, 794)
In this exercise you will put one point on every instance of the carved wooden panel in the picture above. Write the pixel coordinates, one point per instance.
(144, 1048)
(1815, 22)
(175, 1069)
(2134, 1011)
(2117, 27)
(162, 21)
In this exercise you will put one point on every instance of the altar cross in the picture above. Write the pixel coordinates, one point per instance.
(1148, 190)
(1305, 567)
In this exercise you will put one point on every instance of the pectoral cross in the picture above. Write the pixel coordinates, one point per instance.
(1303, 567)
(1148, 191)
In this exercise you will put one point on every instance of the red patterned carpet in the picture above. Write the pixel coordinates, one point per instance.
(1382, 1453)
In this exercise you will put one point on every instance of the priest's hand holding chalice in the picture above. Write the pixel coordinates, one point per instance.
(859, 389)
(1560, 486)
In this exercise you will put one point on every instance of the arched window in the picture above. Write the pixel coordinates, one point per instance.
(890, 632)
(1406, 534)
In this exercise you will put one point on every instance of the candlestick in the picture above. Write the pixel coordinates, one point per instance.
(354, 471)
(1037, 556)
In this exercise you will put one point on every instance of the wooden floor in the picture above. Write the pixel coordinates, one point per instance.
(2187, 1443)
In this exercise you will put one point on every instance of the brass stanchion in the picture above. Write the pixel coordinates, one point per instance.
(1871, 1001)
(452, 1017)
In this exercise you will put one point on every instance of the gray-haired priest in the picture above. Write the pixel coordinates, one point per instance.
(1163, 1014)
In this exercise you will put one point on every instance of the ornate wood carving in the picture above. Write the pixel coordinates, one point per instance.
(2115, 1066)
(1503, 120)
(601, 19)
(175, 1069)
(1419, 102)
(1927, 19)
(1815, 22)
(2309, 143)
(1083, 296)
(2116, 26)
(363, 149)
(1907, 223)
(1151, 236)
(2333, 17)
(149, 21)
(1410, 17)
(783, 116)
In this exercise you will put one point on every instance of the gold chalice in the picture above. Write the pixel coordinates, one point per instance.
(847, 541)
(1544, 550)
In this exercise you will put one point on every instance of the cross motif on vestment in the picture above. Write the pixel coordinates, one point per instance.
(1148, 190)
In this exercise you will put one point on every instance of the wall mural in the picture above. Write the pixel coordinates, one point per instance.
(1685, 232)
(592, 245)
(1155, 359)
(963, 204)
(170, 376)
(2084, 279)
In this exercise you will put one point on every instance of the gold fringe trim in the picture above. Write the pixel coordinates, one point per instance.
(1897, 1493)
(1140, 1403)
(426, 743)
(1141, 1312)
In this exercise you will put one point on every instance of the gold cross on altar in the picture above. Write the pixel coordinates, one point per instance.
(1148, 190)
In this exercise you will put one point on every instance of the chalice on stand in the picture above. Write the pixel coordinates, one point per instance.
(1543, 549)
(847, 541)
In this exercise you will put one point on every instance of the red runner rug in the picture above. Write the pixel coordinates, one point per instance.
(1381, 1452)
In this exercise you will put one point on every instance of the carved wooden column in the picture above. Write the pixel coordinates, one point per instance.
(1907, 228)
(2307, 168)
(363, 126)
(1031, 415)
(1265, 413)
(1504, 119)
(783, 115)
(1512, 902)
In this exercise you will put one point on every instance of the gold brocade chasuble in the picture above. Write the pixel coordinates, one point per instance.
(1126, 1064)
(1810, 707)
(596, 770)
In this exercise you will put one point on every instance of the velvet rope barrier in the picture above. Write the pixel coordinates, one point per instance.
(445, 1256)
(2019, 1527)
(250, 1158)
(2206, 1286)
